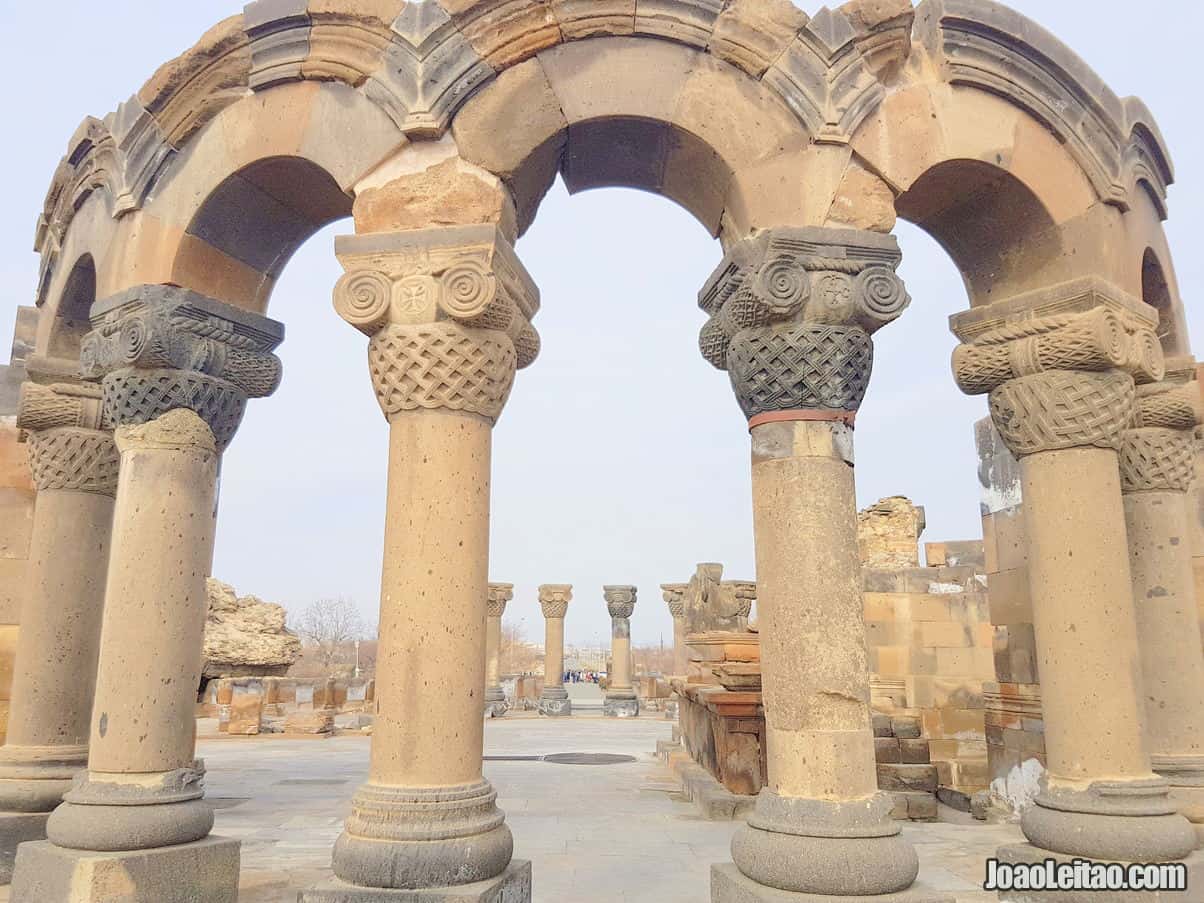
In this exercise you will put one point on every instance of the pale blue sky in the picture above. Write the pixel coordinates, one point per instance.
(622, 456)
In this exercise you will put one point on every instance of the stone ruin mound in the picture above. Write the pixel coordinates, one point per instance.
(245, 636)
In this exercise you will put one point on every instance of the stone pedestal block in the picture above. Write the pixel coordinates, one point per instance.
(17, 828)
(1027, 852)
(205, 870)
(621, 707)
(554, 702)
(728, 885)
(495, 702)
(512, 886)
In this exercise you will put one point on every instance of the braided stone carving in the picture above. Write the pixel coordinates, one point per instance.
(441, 365)
(620, 600)
(673, 594)
(499, 595)
(72, 458)
(1159, 452)
(554, 599)
(1060, 381)
(791, 314)
(46, 407)
(157, 348)
(1062, 409)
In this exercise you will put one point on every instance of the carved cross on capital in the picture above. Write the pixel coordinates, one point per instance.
(499, 595)
(620, 600)
(791, 314)
(554, 599)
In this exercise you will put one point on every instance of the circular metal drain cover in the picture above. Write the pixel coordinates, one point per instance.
(588, 759)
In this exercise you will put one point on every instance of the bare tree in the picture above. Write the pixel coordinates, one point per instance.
(329, 627)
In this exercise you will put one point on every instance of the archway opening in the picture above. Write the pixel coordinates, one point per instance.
(72, 322)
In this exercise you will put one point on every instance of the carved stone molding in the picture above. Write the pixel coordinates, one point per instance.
(157, 348)
(1062, 409)
(499, 595)
(60, 405)
(448, 312)
(72, 458)
(791, 314)
(674, 597)
(620, 600)
(1159, 452)
(554, 599)
(744, 592)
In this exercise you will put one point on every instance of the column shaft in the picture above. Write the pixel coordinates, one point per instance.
(554, 601)
(553, 656)
(680, 653)
(621, 701)
(493, 643)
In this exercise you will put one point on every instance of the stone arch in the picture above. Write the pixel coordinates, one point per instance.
(1156, 292)
(71, 321)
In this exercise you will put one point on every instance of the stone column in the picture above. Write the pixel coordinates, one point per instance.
(495, 696)
(743, 594)
(74, 464)
(1157, 468)
(554, 599)
(448, 314)
(673, 594)
(621, 700)
(791, 312)
(1061, 395)
(177, 371)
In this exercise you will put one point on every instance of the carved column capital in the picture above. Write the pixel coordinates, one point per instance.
(69, 448)
(1061, 381)
(620, 600)
(554, 599)
(158, 348)
(1159, 452)
(744, 594)
(448, 312)
(499, 595)
(791, 314)
(673, 594)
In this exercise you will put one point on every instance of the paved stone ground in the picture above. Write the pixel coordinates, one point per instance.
(596, 834)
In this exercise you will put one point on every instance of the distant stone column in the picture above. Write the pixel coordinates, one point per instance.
(792, 310)
(1157, 468)
(1062, 396)
(673, 594)
(743, 594)
(495, 696)
(621, 701)
(74, 465)
(177, 371)
(554, 599)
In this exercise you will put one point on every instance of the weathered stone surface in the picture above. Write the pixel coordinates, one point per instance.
(449, 193)
(512, 886)
(888, 534)
(593, 18)
(752, 34)
(245, 636)
(320, 721)
(883, 30)
(911, 778)
(505, 32)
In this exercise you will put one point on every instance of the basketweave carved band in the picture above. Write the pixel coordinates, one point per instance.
(1062, 409)
(1152, 458)
(441, 365)
(140, 396)
(554, 608)
(71, 458)
(499, 595)
(620, 600)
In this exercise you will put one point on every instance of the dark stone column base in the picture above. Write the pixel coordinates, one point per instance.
(17, 828)
(729, 885)
(1026, 852)
(206, 870)
(556, 704)
(512, 886)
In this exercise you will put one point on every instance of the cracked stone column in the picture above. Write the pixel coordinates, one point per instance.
(554, 599)
(1062, 395)
(495, 696)
(177, 371)
(1157, 468)
(791, 313)
(621, 700)
(447, 311)
(74, 464)
(673, 594)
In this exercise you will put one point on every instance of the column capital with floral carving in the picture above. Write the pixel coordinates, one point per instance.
(1062, 380)
(1158, 451)
(499, 595)
(448, 313)
(674, 594)
(791, 315)
(620, 600)
(70, 444)
(554, 599)
(744, 594)
(157, 348)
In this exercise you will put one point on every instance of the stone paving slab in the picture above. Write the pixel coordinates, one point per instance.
(594, 834)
